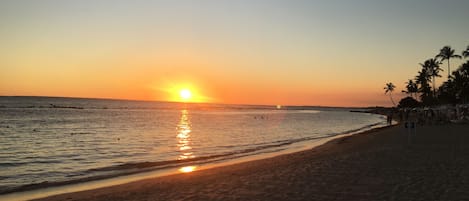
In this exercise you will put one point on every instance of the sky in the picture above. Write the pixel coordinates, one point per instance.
(326, 53)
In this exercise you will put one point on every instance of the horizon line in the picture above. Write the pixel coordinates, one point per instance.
(163, 101)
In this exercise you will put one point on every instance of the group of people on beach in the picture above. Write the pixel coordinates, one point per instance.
(431, 116)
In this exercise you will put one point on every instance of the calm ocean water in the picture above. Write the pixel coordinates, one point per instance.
(49, 140)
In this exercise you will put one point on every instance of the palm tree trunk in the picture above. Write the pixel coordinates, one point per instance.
(390, 96)
(448, 69)
(434, 93)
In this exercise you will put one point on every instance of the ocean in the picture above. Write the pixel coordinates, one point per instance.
(47, 141)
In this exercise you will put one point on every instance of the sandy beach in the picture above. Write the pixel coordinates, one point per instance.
(376, 165)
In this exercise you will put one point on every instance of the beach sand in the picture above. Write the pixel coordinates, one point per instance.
(375, 165)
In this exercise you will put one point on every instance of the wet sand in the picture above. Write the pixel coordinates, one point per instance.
(376, 165)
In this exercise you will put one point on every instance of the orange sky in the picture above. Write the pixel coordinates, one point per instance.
(262, 52)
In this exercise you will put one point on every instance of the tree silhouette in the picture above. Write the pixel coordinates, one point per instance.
(411, 88)
(422, 80)
(408, 102)
(389, 88)
(433, 69)
(446, 53)
(465, 53)
(456, 89)
(461, 81)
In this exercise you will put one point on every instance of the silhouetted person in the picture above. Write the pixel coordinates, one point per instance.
(389, 117)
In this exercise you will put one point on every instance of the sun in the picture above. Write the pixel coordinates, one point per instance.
(185, 94)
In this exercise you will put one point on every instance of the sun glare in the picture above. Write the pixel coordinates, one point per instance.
(187, 169)
(185, 94)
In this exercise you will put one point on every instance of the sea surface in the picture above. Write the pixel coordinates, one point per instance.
(46, 140)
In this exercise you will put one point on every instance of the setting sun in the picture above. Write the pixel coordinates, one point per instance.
(182, 91)
(185, 94)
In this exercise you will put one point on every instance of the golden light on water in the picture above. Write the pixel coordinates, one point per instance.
(184, 140)
(187, 169)
(184, 136)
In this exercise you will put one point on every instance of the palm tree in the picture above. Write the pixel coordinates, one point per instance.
(461, 82)
(446, 53)
(411, 87)
(433, 69)
(465, 53)
(390, 88)
(456, 89)
(422, 80)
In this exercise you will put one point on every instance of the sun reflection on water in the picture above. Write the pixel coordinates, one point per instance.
(184, 136)
(187, 169)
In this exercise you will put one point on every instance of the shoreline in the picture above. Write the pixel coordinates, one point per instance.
(41, 190)
(376, 165)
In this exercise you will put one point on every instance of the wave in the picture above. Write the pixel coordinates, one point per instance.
(16, 164)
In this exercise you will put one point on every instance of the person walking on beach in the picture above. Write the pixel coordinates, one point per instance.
(411, 124)
(389, 117)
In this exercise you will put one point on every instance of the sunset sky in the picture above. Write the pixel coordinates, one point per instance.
(329, 53)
